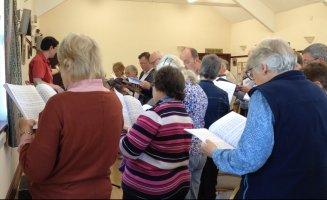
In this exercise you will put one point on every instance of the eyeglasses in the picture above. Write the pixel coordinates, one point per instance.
(188, 61)
(249, 73)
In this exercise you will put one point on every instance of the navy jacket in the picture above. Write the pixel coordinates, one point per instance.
(218, 104)
(297, 167)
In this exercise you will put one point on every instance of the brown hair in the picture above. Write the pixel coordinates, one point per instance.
(317, 71)
(170, 81)
(118, 66)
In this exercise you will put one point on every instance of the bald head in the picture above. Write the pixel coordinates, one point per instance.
(155, 58)
(191, 59)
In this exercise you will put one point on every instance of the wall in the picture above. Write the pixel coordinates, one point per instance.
(291, 25)
(124, 29)
(8, 165)
(8, 155)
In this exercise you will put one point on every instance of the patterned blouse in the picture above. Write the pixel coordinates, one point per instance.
(196, 103)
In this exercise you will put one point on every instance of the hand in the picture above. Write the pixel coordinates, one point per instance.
(208, 147)
(26, 125)
(145, 85)
(245, 88)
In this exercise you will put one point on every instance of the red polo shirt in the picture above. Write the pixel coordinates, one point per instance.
(39, 67)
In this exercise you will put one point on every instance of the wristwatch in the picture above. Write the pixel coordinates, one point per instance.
(28, 132)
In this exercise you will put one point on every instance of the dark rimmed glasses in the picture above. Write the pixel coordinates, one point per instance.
(249, 73)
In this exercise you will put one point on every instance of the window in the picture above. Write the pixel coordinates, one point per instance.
(3, 101)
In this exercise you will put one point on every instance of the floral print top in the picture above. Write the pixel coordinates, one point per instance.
(196, 103)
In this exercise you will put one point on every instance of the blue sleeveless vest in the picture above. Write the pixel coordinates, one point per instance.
(297, 167)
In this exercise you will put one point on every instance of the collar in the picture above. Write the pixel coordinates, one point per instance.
(89, 85)
(164, 100)
(148, 71)
(44, 58)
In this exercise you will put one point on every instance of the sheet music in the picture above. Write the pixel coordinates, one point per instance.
(46, 91)
(134, 108)
(27, 99)
(146, 107)
(134, 80)
(204, 134)
(225, 132)
(230, 127)
(246, 82)
(227, 87)
(127, 120)
(246, 97)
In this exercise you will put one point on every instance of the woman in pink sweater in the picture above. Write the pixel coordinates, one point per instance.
(78, 132)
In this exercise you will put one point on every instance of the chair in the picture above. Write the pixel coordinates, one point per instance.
(227, 185)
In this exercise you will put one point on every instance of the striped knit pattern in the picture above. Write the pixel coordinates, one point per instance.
(156, 151)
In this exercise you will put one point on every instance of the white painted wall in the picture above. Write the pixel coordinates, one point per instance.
(8, 165)
(291, 25)
(125, 29)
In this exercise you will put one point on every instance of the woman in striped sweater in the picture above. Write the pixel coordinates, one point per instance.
(156, 148)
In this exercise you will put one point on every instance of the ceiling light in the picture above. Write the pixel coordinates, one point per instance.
(191, 1)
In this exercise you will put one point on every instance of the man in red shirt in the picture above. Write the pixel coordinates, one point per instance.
(39, 67)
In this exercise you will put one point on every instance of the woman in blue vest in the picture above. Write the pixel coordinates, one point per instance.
(283, 150)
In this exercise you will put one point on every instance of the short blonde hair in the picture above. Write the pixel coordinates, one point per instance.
(81, 55)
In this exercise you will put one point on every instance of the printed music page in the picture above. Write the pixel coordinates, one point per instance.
(27, 99)
(46, 91)
(225, 132)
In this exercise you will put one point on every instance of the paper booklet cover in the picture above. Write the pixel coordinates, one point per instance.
(30, 100)
(225, 132)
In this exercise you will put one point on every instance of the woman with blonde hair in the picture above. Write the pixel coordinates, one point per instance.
(78, 132)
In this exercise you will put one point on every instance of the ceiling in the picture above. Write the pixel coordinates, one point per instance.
(232, 10)
(235, 12)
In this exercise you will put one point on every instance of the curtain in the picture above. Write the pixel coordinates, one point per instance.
(13, 64)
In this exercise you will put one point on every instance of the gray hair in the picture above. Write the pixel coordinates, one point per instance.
(170, 60)
(275, 53)
(317, 50)
(210, 66)
(81, 54)
(189, 75)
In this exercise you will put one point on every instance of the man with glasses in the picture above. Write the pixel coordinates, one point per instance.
(283, 149)
(191, 60)
(315, 53)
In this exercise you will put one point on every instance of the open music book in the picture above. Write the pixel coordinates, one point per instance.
(134, 80)
(225, 132)
(30, 99)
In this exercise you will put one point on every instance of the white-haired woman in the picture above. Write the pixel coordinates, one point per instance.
(282, 152)
(78, 131)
